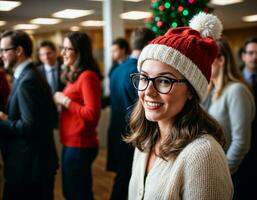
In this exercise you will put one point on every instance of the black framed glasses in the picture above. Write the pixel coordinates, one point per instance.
(67, 49)
(4, 50)
(162, 84)
(250, 53)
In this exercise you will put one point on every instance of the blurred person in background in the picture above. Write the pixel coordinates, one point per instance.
(4, 93)
(4, 86)
(51, 66)
(29, 154)
(122, 99)
(247, 173)
(120, 52)
(231, 103)
(81, 108)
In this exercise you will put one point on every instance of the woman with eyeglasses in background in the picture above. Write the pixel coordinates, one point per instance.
(179, 151)
(231, 103)
(81, 107)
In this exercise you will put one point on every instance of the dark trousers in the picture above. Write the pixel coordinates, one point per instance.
(77, 173)
(31, 191)
(244, 187)
(246, 175)
(125, 154)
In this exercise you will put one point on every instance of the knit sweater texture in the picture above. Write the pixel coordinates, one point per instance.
(79, 121)
(200, 172)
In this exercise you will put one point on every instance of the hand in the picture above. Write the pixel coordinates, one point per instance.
(61, 99)
(3, 116)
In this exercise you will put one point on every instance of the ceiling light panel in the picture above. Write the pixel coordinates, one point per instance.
(135, 15)
(46, 21)
(2, 23)
(250, 18)
(95, 23)
(26, 26)
(72, 13)
(9, 5)
(75, 28)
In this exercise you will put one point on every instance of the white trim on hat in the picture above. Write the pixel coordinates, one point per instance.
(178, 61)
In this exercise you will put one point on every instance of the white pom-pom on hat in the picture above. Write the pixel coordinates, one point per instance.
(207, 24)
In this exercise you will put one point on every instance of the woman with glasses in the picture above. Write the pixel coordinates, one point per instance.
(81, 107)
(179, 151)
(231, 103)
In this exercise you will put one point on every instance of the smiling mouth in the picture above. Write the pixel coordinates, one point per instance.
(153, 105)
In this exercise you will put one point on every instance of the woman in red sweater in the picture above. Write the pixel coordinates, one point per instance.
(4, 90)
(81, 106)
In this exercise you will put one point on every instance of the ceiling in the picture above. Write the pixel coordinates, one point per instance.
(230, 14)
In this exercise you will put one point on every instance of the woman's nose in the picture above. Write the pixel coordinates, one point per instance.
(150, 90)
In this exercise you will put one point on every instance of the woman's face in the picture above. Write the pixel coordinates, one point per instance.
(163, 107)
(68, 53)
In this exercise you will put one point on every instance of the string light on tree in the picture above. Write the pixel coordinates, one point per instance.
(174, 25)
(167, 5)
(173, 13)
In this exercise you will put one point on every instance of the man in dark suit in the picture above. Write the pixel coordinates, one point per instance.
(29, 154)
(51, 66)
(122, 99)
(249, 57)
(246, 173)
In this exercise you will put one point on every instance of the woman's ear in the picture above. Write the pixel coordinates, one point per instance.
(221, 60)
(19, 50)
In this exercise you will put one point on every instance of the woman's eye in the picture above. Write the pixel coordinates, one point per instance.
(163, 81)
(143, 79)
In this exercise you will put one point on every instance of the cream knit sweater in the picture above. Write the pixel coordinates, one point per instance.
(200, 172)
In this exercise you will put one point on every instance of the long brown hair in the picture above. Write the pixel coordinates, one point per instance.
(191, 123)
(229, 72)
(85, 59)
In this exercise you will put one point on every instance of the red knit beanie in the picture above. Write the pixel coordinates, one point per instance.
(190, 50)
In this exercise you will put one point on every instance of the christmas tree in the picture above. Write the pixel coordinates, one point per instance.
(173, 13)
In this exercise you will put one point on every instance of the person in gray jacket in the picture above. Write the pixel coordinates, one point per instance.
(231, 103)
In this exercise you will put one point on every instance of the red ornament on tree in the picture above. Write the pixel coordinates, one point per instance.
(180, 8)
(148, 19)
(161, 7)
(159, 24)
(191, 1)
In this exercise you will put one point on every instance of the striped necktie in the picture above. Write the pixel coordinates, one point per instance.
(53, 82)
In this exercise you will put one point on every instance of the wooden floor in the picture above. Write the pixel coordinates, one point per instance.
(103, 180)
